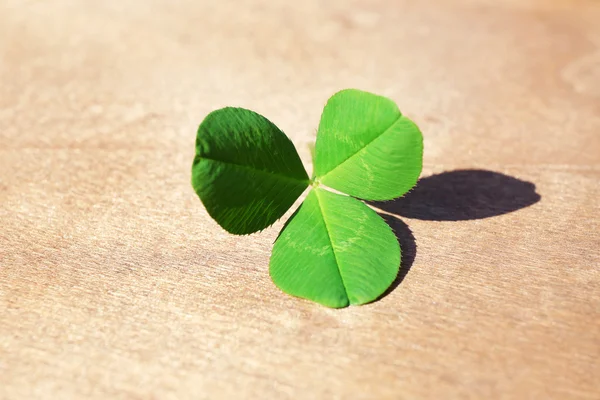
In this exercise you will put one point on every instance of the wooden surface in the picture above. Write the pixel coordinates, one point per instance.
(115, 283)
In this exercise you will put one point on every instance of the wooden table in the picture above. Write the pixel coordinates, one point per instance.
(115, 283)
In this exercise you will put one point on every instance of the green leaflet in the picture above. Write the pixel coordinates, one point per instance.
(366, 148)
(246, 171)
(335, 251)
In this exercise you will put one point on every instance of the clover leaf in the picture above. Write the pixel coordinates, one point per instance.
(366, 148)
(246, 171)
(334, 249)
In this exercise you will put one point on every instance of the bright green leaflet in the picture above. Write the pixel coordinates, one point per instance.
(335, 251)
(246, 171)
(366, 148)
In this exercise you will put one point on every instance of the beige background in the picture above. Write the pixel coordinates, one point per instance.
(115, 283)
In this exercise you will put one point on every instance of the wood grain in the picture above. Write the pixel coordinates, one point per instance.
(115, 283)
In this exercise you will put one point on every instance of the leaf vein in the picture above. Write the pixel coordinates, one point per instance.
(363, 147)
(331, 243)
(286, 177)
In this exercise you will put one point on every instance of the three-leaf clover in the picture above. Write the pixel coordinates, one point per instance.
(334, 250)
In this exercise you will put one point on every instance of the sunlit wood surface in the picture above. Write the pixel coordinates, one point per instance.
(116, 284)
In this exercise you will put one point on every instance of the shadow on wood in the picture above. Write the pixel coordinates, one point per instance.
(463, 195)
(453, 196)
(408, 247)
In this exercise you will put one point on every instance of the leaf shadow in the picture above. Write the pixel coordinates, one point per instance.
(463, 195)
(458, 195)
(408, 248)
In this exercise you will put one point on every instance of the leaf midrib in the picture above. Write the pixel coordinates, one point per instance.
(331, 244)
(280, 176)
(362, 148)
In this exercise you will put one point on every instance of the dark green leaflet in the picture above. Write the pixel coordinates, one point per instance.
(246, 171)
